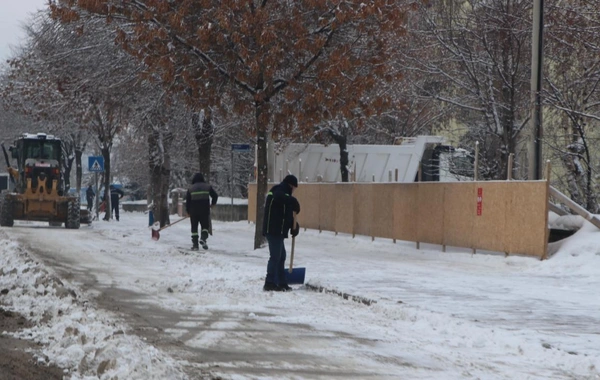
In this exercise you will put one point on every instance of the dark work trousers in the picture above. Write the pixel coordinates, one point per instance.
(90, 202)
(204, 219)
(276, 264)
(114, 203)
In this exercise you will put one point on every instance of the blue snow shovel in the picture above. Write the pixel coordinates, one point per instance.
(294, 276)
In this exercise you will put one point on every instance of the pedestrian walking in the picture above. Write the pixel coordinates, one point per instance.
(89, 195)
(278, 220)
(199, 198)
(115, 195)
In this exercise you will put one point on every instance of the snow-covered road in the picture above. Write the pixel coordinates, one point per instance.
(436, 315)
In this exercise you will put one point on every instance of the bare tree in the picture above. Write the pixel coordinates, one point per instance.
(101, 87)
(477, 56)
(573, 96)
(35, 88)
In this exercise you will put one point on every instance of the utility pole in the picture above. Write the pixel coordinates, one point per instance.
(537, 44)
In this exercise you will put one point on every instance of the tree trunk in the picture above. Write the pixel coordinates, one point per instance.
(343, 144)
(261, 178)
(579, 171)
(160, 172)
(204, 133)
(67, 175)
(68, 164)
(155, 192)
(106, 154)
(592, 201)
(340, 137)
(590, 194)
(78, 169)
(165, 179)
(510, 145)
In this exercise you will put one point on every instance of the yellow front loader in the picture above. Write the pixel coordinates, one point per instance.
(39, 193)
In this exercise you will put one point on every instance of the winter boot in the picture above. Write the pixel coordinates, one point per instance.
(271, 287)
(195, 243)
(203, 239)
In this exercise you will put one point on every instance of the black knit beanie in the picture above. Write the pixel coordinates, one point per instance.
(291, 180)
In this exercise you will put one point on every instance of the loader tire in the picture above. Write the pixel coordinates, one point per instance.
(6, 212)
(73, 209)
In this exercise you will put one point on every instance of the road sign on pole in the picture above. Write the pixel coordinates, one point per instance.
(96, 164)
(240, 147)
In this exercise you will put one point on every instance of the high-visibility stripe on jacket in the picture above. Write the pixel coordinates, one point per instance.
(199, 197)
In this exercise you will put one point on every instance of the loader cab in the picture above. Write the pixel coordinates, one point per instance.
(42, 150)
(38, 156)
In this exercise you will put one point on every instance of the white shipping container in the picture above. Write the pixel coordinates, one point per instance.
(377, 163)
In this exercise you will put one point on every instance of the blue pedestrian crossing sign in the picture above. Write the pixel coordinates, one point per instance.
(96, 163)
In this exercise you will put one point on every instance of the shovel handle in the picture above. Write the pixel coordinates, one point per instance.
(293, 245)
(292, 255)
(175, 222)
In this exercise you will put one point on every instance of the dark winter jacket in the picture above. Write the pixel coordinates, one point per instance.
(115, 195)
(197, 197)
(279, 210)
(89, 193)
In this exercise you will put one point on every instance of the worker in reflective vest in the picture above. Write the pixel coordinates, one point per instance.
(199, 199)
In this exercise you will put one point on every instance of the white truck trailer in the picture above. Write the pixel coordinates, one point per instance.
(377, 163)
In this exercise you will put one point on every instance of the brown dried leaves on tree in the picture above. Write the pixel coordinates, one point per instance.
(285, 62)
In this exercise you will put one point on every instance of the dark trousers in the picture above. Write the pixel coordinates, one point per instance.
(115, 208)
(276, 264)
(204, 219)
(90, 202)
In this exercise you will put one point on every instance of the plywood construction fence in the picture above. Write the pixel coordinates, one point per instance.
(504, 216)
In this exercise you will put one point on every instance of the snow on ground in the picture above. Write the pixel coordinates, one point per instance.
(433, 315)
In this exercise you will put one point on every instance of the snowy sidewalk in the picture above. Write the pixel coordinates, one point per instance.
(511, 292)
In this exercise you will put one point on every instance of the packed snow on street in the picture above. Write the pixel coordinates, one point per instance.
(108, 302)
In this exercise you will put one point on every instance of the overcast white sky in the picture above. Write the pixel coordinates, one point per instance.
(13, 14)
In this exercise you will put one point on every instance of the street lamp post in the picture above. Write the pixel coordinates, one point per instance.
(535, 147)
